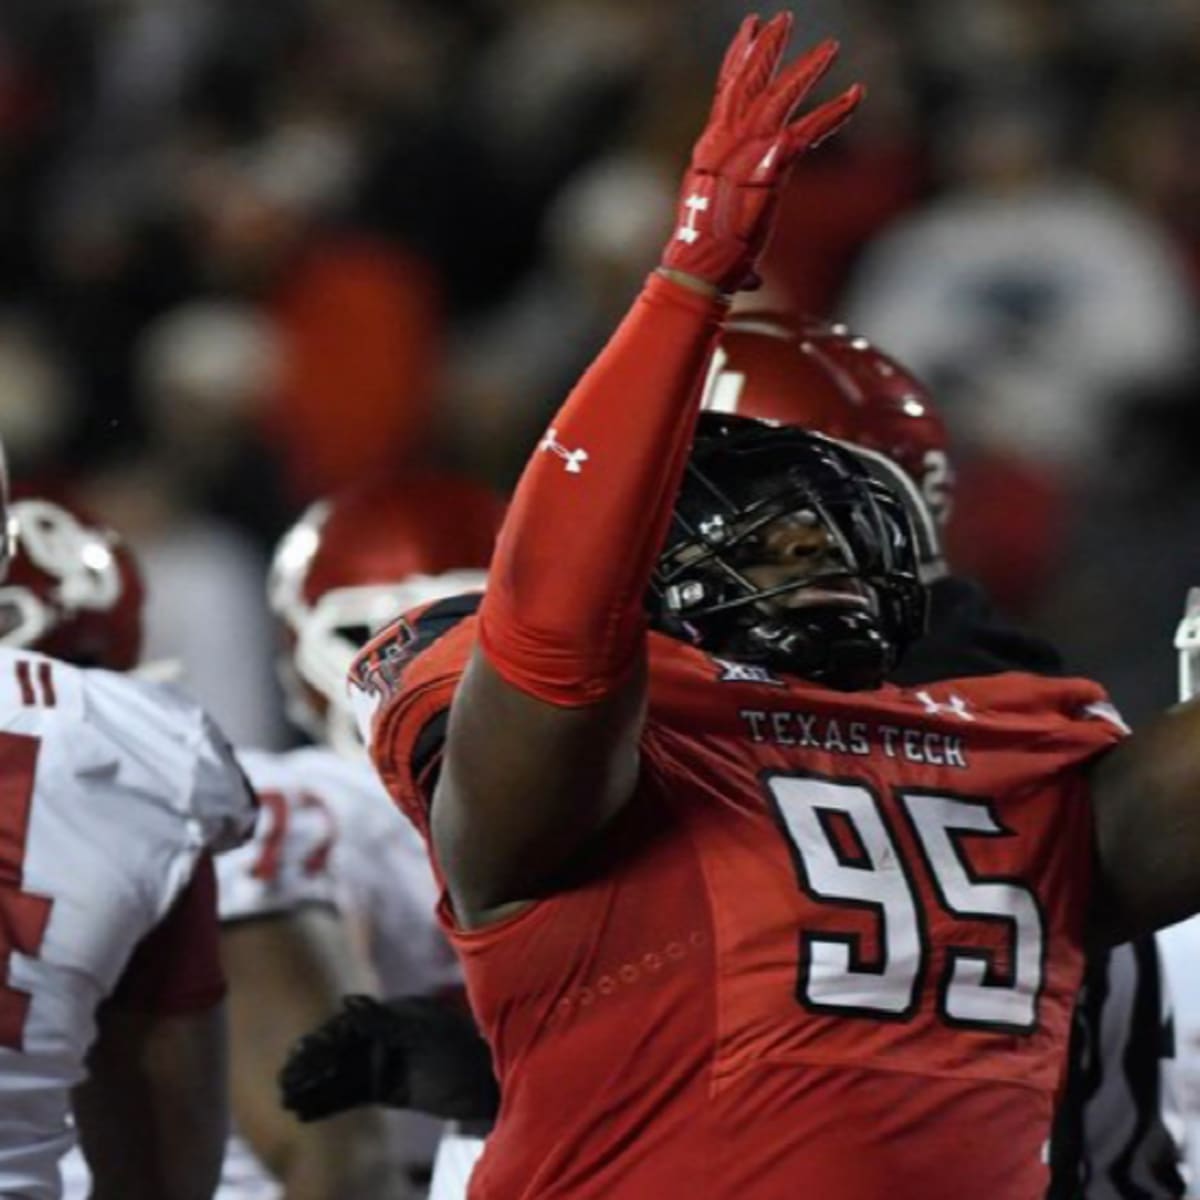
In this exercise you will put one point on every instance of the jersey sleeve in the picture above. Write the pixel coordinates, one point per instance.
(222, 798)
(1069, 719)
(1089, 723)
(401, 686)
(158, 742)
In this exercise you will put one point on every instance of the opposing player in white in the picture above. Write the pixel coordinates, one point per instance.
(334, 894)
(113, 794)
(330, 897)
(457, 1153)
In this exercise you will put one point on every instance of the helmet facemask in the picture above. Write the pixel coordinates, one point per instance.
(846, 619)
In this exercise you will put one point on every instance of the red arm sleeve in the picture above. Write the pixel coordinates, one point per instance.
(563, 616)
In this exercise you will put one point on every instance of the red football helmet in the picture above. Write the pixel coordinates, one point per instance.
(72, 589)
(806, 372)
(357, 560)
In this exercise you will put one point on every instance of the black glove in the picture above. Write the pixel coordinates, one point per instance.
(412, 1052)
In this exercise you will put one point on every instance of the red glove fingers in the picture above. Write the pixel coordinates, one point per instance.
(745, 151)
(754, 68)
(811, 130)
(742, 41)
(794, 84)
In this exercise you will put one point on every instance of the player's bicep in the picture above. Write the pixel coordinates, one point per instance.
(1146, 805)
(523, 784)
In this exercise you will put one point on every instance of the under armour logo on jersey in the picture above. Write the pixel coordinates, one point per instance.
(735, 672)
(955, 707)
(687, 232)
(573, 458)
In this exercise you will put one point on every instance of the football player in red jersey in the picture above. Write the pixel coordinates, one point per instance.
(805, 373)
(811, 374)
(730, 926)
(1111, 1136)
(116, 793)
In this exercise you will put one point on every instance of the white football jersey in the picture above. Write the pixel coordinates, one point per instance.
(457, 1154)
(110, 790)
(327, 833)
(287, 861)
(1179, 949)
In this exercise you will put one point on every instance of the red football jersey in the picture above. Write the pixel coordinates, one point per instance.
(830, 948)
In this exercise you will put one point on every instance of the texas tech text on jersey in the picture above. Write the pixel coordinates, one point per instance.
(791, 727)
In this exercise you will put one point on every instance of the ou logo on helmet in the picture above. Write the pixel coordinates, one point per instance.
(78, 557)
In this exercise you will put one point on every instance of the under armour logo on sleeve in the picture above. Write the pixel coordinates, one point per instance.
(956, 707)
(687, 232)
(574, 459)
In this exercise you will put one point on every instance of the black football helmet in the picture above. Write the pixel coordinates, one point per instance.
(743, 475)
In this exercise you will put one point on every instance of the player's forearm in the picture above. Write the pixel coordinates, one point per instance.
(562, 620)
(563, 616)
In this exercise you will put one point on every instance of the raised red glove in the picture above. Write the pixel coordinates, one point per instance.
(745, 152)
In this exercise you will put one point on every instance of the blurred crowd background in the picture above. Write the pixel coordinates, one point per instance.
(252, 250)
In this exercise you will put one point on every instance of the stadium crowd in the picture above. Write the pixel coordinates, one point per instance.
(254, 254)
(249, 252)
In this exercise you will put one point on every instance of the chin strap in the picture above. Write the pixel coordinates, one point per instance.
(842, 649)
